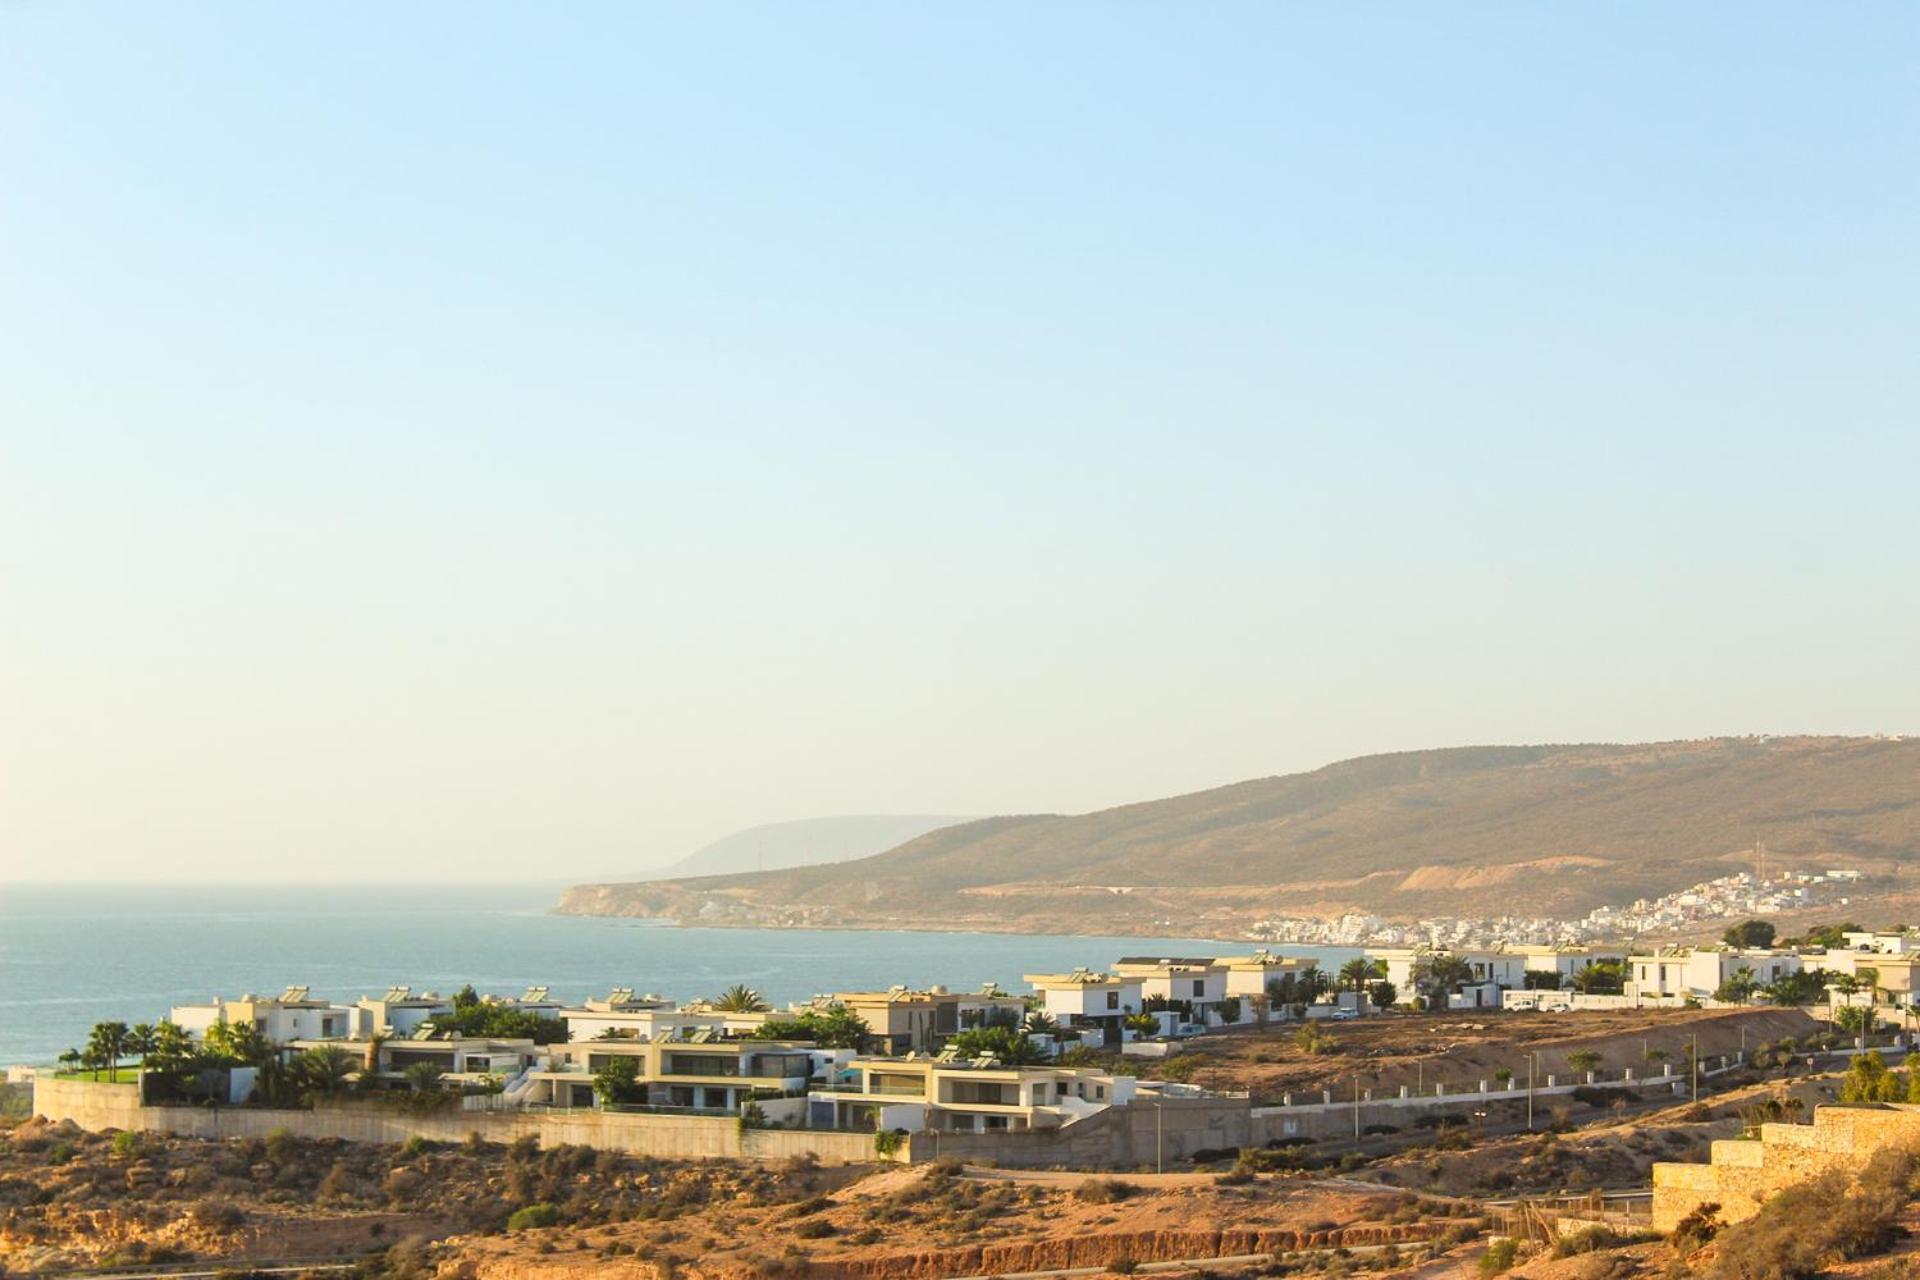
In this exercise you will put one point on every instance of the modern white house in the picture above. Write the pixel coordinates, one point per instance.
(399, 1012)
(1675, 974)
(700, 1074)
(292, 1015)
(915, 1093)
(1089, 1001)
(1198, 983)
(1248, 976)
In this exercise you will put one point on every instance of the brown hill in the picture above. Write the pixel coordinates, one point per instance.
(1469, 830)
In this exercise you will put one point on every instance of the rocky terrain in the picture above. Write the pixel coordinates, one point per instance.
(1471, 831)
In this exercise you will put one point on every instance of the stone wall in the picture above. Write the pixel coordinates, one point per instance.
(1743, 1172)
(118, 1106)
(1141, 1135)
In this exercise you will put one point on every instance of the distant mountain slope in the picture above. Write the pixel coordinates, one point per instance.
(804, 842)
(1480, 830)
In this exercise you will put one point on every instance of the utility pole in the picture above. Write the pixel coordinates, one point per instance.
(1159, 1139)
(1529, 1089)
(1694, 1054)
(1356, 1108)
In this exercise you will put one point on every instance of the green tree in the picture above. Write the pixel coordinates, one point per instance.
(423, 1077)
(1602, 977)
(1382, 994)
(740, 998)
(1435, 977)
(1010, 1045)
(835, 1027)
(1356, 973)
(140, 1040)
(323, 1072)
(1738, 988)
(106, 1045)
(239, 1043)
(618, 1080)
(1583, 1059)
(71, 1058)
(1801, 987)
(1749, 933)
(1039, 1023)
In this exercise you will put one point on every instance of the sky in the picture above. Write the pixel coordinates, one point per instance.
(490, 442)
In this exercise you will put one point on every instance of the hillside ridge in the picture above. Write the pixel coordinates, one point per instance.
(1479, 830)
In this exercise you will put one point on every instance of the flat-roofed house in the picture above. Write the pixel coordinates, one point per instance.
(1087, 1000)
(1198, 983)
(399, 1012)
(294, 1014)
(1249, 976)
(944, 1093)
(900, 1019)
(701, 1073)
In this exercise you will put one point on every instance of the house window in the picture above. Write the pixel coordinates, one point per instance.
(1199, 986)
(1113, 999)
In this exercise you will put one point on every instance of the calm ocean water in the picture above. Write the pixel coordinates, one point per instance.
(70, 957)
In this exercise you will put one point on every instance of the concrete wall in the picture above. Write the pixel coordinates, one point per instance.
(1141, 1135)
(118, 1106)
(1743, 1173)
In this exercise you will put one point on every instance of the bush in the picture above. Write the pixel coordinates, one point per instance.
(416, 1146)
(1500, 1256)
(533, 1216)
(1696, 1229)
(1103, 1190)
(1806, 1228)
(814, 1229)
(126, 1144)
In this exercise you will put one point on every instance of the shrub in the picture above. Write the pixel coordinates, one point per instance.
(126, 1144)
(416, 1146)
(533, 1216)
(814, 1229)
(1500, 1256)
(1806, 1228)
(1123, 1266)
(1103, 1190)
(1696, 1229)
(525, 1147)
(208, 1213)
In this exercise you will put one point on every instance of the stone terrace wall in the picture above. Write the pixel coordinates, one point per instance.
(1743, 1173)
(118, 1106)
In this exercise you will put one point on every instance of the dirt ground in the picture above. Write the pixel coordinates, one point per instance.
(1420, 1050)
(938, 1221)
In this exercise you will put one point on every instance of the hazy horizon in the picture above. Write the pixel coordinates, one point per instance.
(482, 441)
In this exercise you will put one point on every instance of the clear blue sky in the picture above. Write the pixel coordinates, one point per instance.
(484, 440)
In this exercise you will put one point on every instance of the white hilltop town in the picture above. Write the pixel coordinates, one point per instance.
(1739, 896)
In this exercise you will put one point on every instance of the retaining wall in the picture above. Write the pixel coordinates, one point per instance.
(1742, 1173)
(118, 1106)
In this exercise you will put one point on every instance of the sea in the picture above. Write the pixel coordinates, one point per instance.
(71, 956)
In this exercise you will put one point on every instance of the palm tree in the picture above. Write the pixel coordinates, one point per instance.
(1357, 972)
(107, 1044)
(140, 1041)
(323, 1072)
(1042, 1024)
(70, 1058)
(423, 1077)
(1310, 984)
(740, 998)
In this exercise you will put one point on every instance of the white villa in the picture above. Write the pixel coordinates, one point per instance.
(944, 1093)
